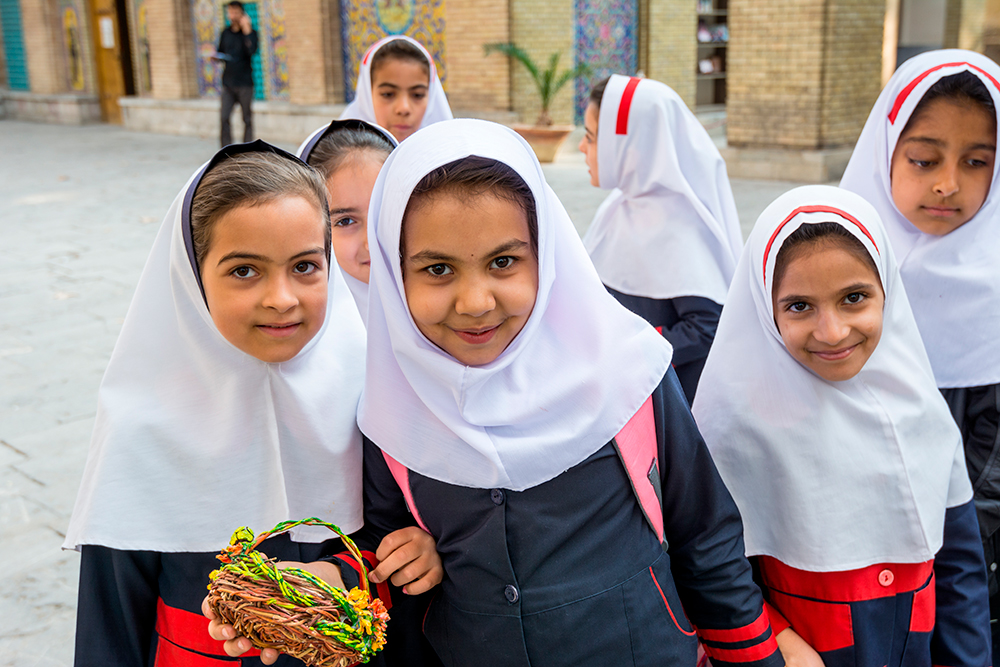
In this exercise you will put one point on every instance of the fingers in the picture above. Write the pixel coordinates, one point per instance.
(410, 560)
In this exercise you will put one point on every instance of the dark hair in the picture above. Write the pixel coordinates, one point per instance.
(399, 49)
(597, 92)
(338, 146)
(963, 88)
(810, 234)
(252, 179)
(476, 176)
(237, 4)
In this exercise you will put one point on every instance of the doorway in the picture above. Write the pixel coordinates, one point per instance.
(112, 55)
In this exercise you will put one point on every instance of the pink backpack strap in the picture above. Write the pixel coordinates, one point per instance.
(636, 446)
(402, 476)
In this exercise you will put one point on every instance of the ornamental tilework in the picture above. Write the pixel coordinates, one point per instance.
(271, 60)
(364, 22)
(606, 39)
(73, 44)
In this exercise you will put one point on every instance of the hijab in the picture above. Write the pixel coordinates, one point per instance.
(363, 106)
(953, 280)
(359, 289)
(578, 370)
(669, 228)
(828, 476)
(194, 438)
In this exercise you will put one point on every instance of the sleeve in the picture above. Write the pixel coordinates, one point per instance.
(962, 616)
(116, 608)
(705, 537)
(692, 335)
(250, 42)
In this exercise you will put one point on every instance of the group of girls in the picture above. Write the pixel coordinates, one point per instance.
(497, 424)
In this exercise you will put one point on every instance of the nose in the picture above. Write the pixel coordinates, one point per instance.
(582, 146)
(279, 295)
(475, 298)
(831, 328)
(403, 105)
(947, 182)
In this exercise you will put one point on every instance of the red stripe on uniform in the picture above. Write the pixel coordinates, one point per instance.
(667, 605)
(742, 634)
(750, 654)
(869, 583)
(814, 209)
(169, 654)
(382, 589)
(626, 105)
(924, 604)
(903, 94)
(188, 630)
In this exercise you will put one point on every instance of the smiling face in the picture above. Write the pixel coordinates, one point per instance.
(266, 283)
(350, 191)
(399, 94)
(828, 309)
(469, 273)
(588, 144)
(942, 166)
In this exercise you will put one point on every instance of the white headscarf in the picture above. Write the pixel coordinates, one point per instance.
(195, 438)
(572, 378)
(953, 280)
(359, 290)
(363, 107)
(828, 476)
(670, 227)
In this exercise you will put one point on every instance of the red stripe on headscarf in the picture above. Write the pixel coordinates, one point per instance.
(903, 94)
(814, 209)
(626, 104)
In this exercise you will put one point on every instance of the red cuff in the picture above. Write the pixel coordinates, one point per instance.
(722, 644)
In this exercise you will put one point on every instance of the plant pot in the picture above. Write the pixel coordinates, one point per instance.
(545, 140)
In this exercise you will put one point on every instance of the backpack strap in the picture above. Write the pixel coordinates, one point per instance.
(636, 447)
(402, 476)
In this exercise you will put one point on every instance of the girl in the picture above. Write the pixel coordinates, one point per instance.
(666, 239)
(240, 354)
(819, 407)
(499, 372)
(348, 154)
(398, 88)
(926, 161)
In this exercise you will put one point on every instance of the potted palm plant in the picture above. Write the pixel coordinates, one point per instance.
(544, 137)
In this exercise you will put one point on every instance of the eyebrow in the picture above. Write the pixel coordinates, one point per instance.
(931, 141)
(433, 256)
(386, 84)
(340, 211)
(236, 254)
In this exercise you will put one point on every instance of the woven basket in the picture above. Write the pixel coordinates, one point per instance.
(292, 610)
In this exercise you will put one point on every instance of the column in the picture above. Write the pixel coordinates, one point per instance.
(171, 49)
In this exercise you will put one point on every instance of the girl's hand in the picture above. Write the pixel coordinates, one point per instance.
(236, 645)
(795, 650)
(409, 558)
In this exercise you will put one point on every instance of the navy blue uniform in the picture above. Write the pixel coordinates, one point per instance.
(688, 322)
(569, 572)
(891, 614)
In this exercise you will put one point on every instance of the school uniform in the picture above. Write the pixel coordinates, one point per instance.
(359, 290)
(854, 493)
(548, 558)
(195, 438)
(953, 281)
(362, 106)
(666, 240)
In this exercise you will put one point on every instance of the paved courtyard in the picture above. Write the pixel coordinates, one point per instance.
(79, 208)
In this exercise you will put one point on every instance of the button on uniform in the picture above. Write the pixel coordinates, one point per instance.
(510, 592)
(496, 495)
(885, 577)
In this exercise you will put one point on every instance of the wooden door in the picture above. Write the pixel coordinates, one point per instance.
(109, 54)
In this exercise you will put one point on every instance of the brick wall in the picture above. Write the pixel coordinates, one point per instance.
(171, 49)
(541, 28)
(43, 46)
(670, 46)
(315, 72)
(477, 81)
(802, 73)
(952, 23)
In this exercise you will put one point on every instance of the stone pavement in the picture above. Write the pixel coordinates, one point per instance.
(79, 207)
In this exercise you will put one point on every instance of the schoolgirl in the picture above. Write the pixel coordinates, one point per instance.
(819, 407)
(666, 240)
(348, 154)
(398, 88)
(927, 161)
(229, 400)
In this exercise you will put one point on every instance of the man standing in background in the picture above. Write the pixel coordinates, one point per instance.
(237, 44)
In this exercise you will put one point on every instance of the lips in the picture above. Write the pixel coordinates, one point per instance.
(280, 329)
(477, 336)
(941, 211)
(835, 355)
